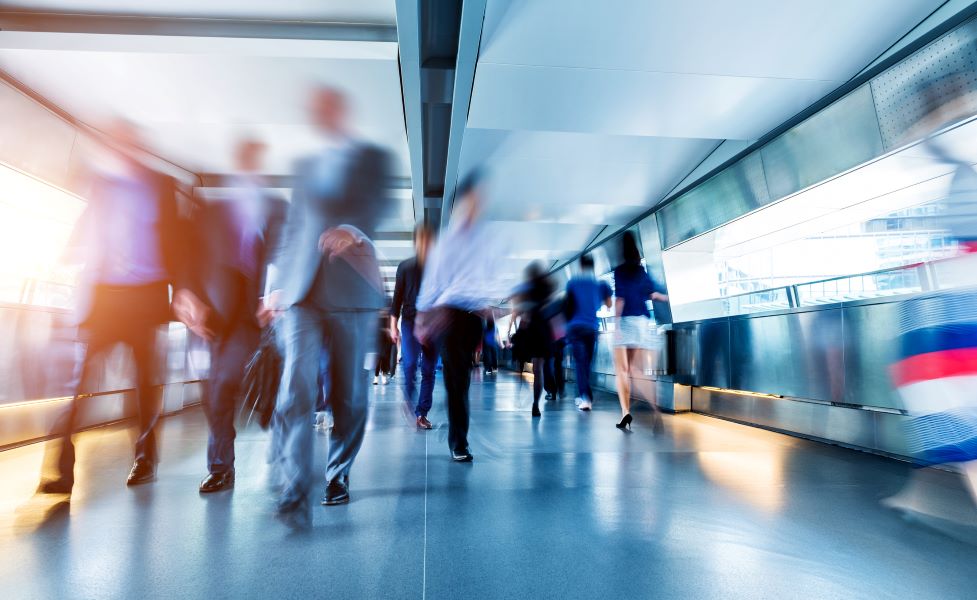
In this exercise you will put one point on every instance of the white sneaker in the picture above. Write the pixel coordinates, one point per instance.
(385, 380)
(375, 380)
(585, 405)
(577, 401)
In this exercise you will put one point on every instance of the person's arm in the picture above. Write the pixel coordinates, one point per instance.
(398, 301)
(270, 305)
(619, 302)
(606, 293)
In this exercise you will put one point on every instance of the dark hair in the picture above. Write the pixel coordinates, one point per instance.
(470, 182)
(534, 270)
(586, 261)
(629, 249)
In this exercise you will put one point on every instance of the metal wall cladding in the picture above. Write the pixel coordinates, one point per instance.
(791, 354)
(713, 362)
(739, 189)
(943, 70)
(844, 135)
(870, 350)
(685, 352)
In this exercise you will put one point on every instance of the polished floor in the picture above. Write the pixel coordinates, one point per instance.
(565, 506)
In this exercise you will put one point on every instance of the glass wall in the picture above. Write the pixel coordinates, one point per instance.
(36, 223)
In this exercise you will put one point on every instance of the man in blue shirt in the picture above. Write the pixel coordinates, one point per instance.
(585, 294)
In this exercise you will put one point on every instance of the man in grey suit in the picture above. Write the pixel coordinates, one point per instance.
(325, 284)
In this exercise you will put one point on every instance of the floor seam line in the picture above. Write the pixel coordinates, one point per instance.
(424, 549)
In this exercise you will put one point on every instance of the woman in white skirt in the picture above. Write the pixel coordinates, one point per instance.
(633, 337)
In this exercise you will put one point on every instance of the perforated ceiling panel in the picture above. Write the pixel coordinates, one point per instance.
(944, 69)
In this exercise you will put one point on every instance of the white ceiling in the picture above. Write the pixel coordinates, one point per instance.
(347, 11)
(586, 114)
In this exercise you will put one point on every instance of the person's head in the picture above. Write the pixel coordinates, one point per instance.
(248, 155)
(423, 236)
(123, 134)
(329, 110)
(468, 203)
(586, 263)
(534, 271)
(629, 249)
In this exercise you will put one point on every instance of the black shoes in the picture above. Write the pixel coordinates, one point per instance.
(216, 482)
(462, 456)
(142, 471)
(625, 422)
(55, 486)
(536, 412)
(337, 492)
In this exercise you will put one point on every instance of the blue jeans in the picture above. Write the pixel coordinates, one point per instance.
(414, 352)
(583, 340)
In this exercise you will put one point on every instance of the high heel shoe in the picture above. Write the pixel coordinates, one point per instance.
(625, 422)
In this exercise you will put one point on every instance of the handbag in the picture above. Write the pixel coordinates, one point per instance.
(262, 378)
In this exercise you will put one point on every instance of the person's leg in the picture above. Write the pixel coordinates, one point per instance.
(429, 364)
(349, 337)
(539, 376)
(411, 349)
(231, 354)
(558, 372)
(300, 332)
(578, 344)
(142, 339)
(622, 379)
(459, 343)
(62, 479)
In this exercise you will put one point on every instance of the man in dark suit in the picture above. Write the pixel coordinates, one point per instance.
(230, 265)
(327, 287)
(134, 246)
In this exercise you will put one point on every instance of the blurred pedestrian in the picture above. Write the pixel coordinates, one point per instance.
(326, 281)
(230, 264)
(585, 294)
(460, 283)
(533, 338)
(410, 273)
(633, 288)
(134, 244)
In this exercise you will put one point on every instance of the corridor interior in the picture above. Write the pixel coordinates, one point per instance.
(560, 506)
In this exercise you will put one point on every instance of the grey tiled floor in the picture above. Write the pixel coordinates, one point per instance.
(565, 506)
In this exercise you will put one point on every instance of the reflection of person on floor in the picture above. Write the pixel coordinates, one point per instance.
(133, 242)
(229, 270)
(409, 276)
(327, 289)
(459, 283)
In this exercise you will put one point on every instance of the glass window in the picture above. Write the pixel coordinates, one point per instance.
(36, 223)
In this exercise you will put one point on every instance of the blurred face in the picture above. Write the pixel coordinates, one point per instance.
(469, 206)
(422, 243)
(249, 156)
(329, 111)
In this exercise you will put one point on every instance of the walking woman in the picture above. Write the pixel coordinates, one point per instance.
(533, 338)
(632, 339)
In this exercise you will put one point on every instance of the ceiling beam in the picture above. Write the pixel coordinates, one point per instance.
(51, 22)
(409, 40)
(223, 180)
(469, 39)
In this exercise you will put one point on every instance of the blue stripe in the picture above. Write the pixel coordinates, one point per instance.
(952, 336)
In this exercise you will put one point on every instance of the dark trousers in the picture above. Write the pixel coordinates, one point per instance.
(553, 374)
(229, 354)
(100, 336)
(583, 340)
(427, 358)
(464, 331)
(490, 357)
